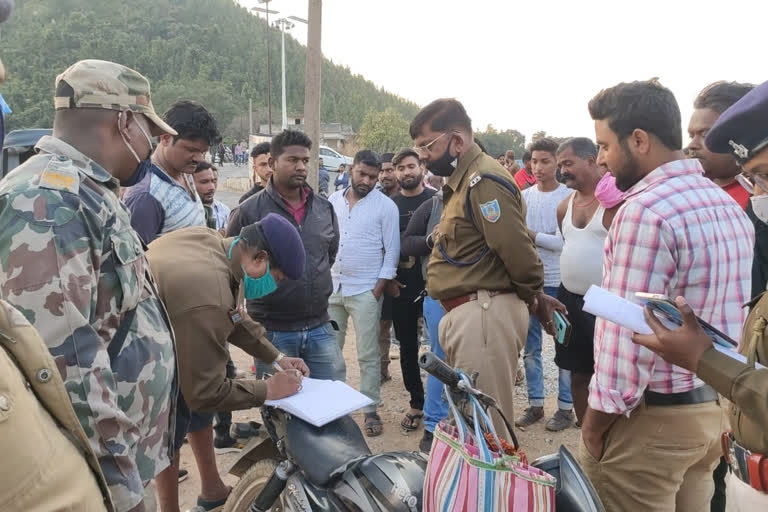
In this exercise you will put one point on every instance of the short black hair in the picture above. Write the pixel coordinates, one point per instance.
(441, 115)
(719, 96)
(544, 144)
(367, 157)
(262, 148)
(582, 147)
(527, 156)
(641, 105)
(288, 138)
(204, 166)
(386, 158)
(403, 154)
(192, 121)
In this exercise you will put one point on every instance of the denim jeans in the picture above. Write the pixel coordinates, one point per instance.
(316, 346)
(435, 408)
(534, 367)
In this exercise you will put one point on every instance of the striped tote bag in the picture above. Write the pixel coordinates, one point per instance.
(465, 474)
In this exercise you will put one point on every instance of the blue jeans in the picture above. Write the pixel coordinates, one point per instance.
(316, 346)
(435, 408)
(534, 368)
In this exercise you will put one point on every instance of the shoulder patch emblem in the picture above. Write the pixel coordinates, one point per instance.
(491, 210)
(60, 175)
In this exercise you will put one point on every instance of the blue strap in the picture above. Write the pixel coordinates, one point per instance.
(512, 188)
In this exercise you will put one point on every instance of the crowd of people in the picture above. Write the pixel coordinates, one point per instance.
(128, 280)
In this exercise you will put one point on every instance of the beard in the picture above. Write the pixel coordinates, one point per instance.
(360, 189)
(410, 183)
(627, 174)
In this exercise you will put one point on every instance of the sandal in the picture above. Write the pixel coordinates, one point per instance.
(209, 506)
(411, 422)
(373, 425)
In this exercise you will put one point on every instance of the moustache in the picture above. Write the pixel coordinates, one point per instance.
(567, 176)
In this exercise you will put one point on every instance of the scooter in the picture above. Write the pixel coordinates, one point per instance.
(303, 468)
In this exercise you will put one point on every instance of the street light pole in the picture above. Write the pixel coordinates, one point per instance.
(269, 73)
(284, 25)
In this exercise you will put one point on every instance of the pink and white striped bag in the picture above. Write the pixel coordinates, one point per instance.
(465, 475)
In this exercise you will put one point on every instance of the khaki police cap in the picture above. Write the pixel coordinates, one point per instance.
(107, 85)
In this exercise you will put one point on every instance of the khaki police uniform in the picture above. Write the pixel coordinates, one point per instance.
(47, 463)
(484, 269)
(746, 446)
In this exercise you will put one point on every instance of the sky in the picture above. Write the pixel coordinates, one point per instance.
(534, 65)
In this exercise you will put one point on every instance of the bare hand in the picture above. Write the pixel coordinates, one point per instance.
(283, 384)
(532, 235)
(436, 234)
(594, 444)
(378, 290)
(294, 363)
(544, 308)
(393, 288)
(682, 347)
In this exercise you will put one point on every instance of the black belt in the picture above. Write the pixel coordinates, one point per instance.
(695, 396)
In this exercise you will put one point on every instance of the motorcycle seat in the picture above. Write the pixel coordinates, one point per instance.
(319, 451)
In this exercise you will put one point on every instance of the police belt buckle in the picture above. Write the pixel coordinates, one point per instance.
(750, 468)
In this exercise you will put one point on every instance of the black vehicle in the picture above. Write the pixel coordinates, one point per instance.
(302, 468)
(18, 146)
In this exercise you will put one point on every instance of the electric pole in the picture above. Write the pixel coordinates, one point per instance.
(312, 77)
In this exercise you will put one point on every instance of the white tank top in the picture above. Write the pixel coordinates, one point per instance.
(581, 262)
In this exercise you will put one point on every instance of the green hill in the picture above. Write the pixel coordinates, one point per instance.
(213, 51)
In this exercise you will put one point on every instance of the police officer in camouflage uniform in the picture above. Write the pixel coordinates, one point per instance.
(72, 264)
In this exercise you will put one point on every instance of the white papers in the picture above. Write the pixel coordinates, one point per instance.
(627, 314)
(322, 401)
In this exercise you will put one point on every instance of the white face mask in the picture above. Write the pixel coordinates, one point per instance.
(760, 207)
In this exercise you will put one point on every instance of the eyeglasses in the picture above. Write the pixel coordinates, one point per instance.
(425, 147)
(749, 182)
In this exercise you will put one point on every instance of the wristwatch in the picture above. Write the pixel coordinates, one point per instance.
(279, 357)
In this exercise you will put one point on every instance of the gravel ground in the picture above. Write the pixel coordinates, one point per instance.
(536, 440)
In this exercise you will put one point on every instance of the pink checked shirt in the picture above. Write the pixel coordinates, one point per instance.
(677, 234)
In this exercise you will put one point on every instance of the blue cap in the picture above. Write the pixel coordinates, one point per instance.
(285, 245)
(742, 130)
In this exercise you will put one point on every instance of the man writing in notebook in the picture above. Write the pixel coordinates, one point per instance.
(199, 275)
(651, 432)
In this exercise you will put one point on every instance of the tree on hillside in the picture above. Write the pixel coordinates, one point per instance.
(542, 133)
(212, 51)
(497, 142)
(385, 131)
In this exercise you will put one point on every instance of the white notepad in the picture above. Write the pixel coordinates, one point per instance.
(620, 311)
(322, 401)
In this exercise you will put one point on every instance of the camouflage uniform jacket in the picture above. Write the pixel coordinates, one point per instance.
(72, 264)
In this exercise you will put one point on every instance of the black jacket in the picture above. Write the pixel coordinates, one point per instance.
(301, 304)
(254, 190)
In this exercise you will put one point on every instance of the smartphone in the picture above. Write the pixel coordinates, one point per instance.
(666, 309)
(562, 329)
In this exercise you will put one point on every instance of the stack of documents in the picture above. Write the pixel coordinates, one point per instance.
(620, 311)
(322, 401)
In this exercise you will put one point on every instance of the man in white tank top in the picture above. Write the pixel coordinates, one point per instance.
(584, 223)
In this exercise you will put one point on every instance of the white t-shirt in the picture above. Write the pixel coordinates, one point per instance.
(541, 217)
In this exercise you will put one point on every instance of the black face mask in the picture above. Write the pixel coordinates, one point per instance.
(445, 165)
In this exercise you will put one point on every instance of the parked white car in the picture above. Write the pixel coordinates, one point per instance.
(333, 159)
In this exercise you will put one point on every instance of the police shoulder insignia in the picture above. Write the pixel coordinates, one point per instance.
(491, 210)
(60, 174)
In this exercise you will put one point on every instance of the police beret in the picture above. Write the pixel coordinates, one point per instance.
(285, 245)
(742, 130)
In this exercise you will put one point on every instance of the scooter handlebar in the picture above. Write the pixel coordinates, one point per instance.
(438, 369)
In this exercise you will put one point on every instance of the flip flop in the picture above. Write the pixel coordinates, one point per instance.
(411, 422)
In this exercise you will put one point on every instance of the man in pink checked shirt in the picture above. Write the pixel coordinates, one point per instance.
(651, 433)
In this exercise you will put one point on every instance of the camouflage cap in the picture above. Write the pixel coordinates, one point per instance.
(107, 85)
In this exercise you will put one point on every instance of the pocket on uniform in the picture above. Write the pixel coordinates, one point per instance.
(128, 255)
